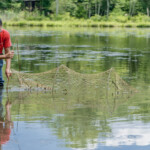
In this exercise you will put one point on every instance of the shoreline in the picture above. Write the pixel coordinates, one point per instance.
(78, 23)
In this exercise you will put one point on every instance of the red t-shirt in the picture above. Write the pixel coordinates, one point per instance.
(5, 40)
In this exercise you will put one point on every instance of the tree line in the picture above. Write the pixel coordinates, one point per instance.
(82, 8)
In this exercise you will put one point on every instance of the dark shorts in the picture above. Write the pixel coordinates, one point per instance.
(1, 105)
(1, 73)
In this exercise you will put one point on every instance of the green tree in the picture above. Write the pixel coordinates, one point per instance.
(63, 6)
(5, 4)
(84, 8)
(146, 5)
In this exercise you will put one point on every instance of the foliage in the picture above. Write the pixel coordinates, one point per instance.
(65, 6)
(122, 11)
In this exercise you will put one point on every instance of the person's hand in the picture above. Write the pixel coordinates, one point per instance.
(8, 73)
(9, 55)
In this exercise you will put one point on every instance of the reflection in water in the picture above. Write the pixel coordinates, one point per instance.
(82, 121)
(133, 133)
(5, 121)
(78, 121)
(84, 124)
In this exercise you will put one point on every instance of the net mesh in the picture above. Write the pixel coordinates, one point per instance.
(63, 80)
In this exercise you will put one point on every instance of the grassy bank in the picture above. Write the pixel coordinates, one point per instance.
(78, 23)
(24, 18)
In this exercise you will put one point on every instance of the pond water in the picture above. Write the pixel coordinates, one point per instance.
(35, 122)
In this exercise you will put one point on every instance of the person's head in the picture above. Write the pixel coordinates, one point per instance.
(1, 23)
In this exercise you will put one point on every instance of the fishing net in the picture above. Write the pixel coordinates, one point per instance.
(64, 81)
(69, 100)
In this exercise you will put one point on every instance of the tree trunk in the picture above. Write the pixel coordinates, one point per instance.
(108, 5)
(99, 7)
(130, 10)
(133, 8)
(95, 7)
(41, 6)
(89, 12)
(89, 9)
(57, 7)
(30, 6)
(148, 11)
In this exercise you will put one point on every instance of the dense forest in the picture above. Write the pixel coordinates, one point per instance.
(82, 8)
(86, 13)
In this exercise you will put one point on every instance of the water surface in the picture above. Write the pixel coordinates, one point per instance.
(40, 122)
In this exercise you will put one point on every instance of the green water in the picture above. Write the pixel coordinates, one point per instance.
(41, 122)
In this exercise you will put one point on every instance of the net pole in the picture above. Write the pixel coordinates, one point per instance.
(19, 67)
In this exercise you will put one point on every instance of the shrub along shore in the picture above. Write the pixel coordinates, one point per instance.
(78, 23)
(25, 18)
(76, 13)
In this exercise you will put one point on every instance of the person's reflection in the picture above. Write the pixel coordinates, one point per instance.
(5, 121)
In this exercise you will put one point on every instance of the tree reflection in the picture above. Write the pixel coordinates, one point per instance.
(80, 127)
(79, 121)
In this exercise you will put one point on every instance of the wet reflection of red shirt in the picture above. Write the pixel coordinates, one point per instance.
(5, 40)
(4, 134)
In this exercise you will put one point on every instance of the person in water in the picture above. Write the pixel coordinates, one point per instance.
(5, 121)
(5, 43)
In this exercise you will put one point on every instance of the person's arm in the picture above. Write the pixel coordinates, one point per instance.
(8, 55)
(2, 56)
(7, 44)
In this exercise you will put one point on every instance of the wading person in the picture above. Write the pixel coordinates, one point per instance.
(5, 43)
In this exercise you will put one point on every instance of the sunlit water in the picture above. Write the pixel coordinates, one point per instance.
(38, 122)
